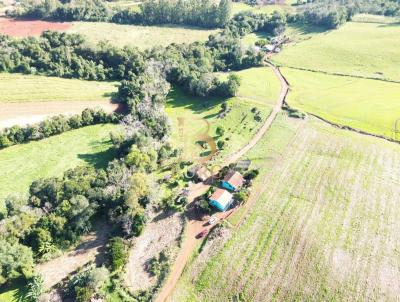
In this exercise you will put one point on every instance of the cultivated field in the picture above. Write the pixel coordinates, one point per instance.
(25, 28)
(369, 105)
(140, 36)
(259, 89)
(326, 226)
(17, 88)
(21, 164)
(359, 49)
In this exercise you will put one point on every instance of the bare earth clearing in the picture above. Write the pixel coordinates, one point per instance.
(28, 113)
(26, 28)
(161, 233)
(59, 268)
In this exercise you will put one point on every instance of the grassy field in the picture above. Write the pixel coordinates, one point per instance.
(238, 7)
(325, 227)
(140, 36)
(358, 49)
(22, 164)
(259, 89)
(369, 105)
(32, 88)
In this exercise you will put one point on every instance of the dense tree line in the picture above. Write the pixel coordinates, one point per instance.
(202, 13)
(54, 125)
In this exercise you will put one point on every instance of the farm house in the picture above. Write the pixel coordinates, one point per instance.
(233, 181)
(221, 199)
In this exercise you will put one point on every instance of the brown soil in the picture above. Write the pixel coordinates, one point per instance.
(26, 28)
(28, 113)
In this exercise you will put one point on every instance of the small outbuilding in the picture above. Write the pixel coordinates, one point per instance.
(233, 181)
(202, 173)
(221, 199)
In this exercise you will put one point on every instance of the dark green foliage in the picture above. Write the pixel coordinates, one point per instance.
(117, 252)
(221, 144)
(252, 174)
(241, 196)
(35, 288)
(158, 266)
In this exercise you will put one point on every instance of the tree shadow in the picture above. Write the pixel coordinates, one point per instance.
(99, 159)
(306, 29)
(177, 98)
(19, 287)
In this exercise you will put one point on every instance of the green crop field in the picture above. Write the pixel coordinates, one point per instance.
(259, 89)
(140, 36)
(32, 88)
(21, 164)
(325, 227)
(358, 49)
(369, 105)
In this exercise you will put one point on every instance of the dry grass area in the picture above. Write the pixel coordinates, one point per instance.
(325, 227)
(162, 232)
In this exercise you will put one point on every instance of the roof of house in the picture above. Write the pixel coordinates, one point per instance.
(223, 197)
(234, 178)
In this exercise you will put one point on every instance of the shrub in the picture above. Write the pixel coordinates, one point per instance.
(117, 253)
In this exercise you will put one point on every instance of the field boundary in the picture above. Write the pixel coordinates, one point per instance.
(336, 74)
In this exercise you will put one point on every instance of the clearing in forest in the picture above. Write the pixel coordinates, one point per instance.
(359, 49)
(22, 164)
(325, 228)
(192, 118)
(140, 36)
(368, 105)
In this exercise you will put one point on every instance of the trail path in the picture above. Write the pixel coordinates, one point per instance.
(196, 226)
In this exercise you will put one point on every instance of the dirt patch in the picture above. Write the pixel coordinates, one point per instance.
(162, 232)
(26, 28)
(56, 270)
(28, 113)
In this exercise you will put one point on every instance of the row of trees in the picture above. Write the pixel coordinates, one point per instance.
(202, 13)
(54, 125)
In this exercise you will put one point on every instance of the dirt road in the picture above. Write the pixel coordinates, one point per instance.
(196, 226)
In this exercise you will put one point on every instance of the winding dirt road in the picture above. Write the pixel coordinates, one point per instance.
(196, 226)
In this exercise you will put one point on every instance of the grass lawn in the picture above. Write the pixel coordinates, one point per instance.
(22, 164)
(359, 49)
(368, 105)
(32, 88)
(140, 36)
(197, 116)
(325, 227)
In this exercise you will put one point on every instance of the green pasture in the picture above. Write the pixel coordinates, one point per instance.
(238, 7)
(369, 105)
(193, 117)
(22, 164)
(140, 36)
(359, 49)
(32, 88)
(325, 209)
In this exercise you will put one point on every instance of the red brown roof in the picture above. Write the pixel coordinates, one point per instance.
(234, 178)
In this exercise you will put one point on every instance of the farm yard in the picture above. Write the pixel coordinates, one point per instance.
(325, 227)
(22, 164)
(259, 89)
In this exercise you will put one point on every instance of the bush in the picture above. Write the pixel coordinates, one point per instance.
(117, 253)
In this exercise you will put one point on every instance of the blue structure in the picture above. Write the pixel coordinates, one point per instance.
(233, 181)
